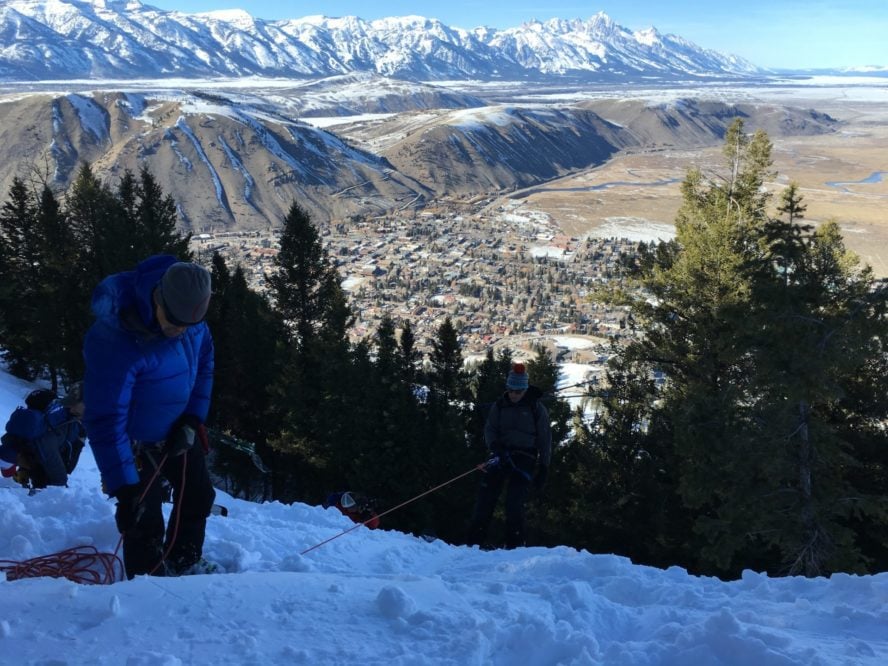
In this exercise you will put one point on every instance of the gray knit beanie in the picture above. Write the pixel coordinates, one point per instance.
(185, 293)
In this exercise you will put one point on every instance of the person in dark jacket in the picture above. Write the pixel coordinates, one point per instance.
(149, 373)
(47, 458)
(519, 437)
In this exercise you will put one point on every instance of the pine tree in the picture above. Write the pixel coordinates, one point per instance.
(98, 221)
(609, 490)
(446, 449)
(305, 285)
(317, 368)
(543, 372)
(488, 383)
(245, 333)
(762, 331)
(409, 356)
(19, 263)
(389, 465)
(60, 301)
(822, 323)
(696, 294)
(791, 203)
(446, 372)
(53, 257)
(153, 218)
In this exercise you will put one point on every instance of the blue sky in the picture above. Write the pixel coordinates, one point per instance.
(770, 33)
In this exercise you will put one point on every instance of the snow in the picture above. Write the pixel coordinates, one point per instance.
(92, 117)
(238, 166)
(547, 251)
(573, 341)
(573, 379)
(381, 597)
(634, 229)
(481, 118)
(332, 121)
(182, 125)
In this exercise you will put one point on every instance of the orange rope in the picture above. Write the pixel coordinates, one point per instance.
(476, 468)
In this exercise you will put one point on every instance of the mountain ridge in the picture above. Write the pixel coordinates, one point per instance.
(236, 160)
(65, 39)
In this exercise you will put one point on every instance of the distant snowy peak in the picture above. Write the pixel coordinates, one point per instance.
(647, 37)
(58, 39)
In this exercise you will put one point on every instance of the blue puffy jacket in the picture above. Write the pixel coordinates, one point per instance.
(139, 382)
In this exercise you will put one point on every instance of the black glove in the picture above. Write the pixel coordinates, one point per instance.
(129, 511)
(182, 435)
(539, 479)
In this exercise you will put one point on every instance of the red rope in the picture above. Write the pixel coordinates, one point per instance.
(179, 500)
(476, 468)
(85, 564)
(82, 564)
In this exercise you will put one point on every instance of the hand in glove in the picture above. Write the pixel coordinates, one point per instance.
(492, 462)
(9, 472)
(182, 435)
(539, 479)
(129, 510)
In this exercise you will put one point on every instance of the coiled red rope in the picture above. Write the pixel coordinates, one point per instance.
(85, 564)
(81, 564)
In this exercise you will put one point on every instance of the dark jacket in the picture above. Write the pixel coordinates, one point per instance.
(521, 426)
(138, 381)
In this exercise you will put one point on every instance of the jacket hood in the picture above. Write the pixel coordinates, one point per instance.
(131, 291)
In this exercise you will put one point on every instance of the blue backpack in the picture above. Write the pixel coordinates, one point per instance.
(43, 412)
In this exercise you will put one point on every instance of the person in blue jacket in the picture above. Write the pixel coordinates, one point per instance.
(149, 373)
(43, 439)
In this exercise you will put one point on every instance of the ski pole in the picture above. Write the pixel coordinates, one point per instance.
(476, 468)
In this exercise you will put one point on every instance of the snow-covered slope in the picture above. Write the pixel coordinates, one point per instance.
(380, 597)
(58, 39)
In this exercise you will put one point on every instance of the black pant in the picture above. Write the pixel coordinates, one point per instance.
(144, 543)
(516, 471)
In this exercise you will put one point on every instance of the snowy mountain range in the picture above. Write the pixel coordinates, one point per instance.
(125, 39)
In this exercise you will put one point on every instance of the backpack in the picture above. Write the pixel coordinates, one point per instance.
(41, 413)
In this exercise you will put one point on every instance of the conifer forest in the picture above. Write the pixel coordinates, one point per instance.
(742, 426)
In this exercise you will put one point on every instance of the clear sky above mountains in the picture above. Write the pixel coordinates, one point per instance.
(794, 34)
